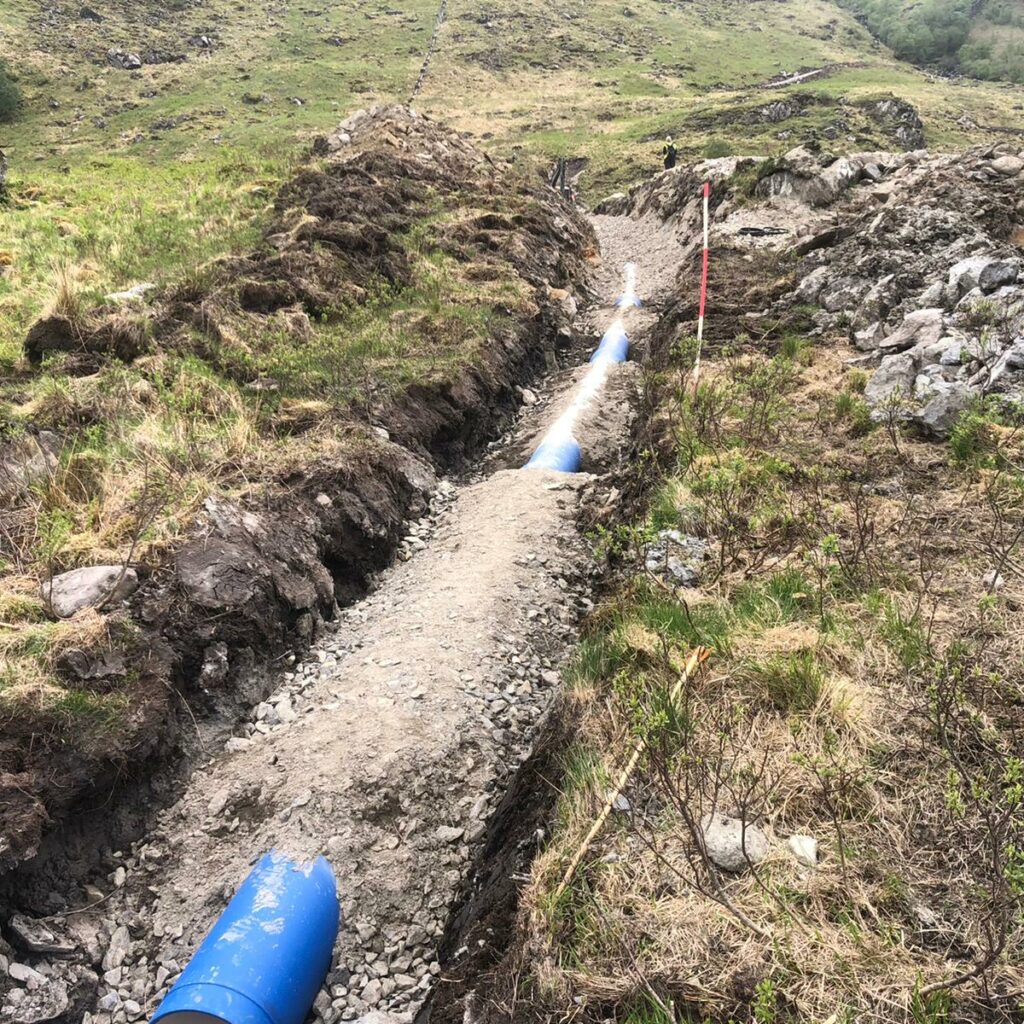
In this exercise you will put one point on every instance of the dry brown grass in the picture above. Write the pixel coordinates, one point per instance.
(918, 681)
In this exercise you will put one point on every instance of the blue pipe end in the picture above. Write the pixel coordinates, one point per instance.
(562, 456)
(629, 300)
(614, 347)
(265, 958)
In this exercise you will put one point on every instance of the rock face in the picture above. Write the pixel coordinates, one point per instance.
(923, 277)
(915, 257)
(901, 120)
(731, 843)
(90, 587)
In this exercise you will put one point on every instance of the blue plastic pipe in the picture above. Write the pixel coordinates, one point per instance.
(614, 346)
(561, 455)
(628, 299)
(265, 959)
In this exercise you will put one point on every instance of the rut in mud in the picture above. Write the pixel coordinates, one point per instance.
(388, 749)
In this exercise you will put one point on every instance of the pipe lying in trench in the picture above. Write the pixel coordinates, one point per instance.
(559, 450)
(629, 296)
(265, 958)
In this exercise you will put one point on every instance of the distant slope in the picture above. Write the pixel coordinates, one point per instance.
(598, 76)
(152, 131)
(981, 38)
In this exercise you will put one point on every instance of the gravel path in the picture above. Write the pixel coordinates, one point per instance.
(384, 751)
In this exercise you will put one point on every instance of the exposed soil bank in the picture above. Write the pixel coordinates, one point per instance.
(388, 750)
(264, 567)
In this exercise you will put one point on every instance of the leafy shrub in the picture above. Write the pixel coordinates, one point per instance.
(10, 95)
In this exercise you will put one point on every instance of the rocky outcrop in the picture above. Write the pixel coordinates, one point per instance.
(900, 120)
(801, 176)
(926, 280)
(915, 257)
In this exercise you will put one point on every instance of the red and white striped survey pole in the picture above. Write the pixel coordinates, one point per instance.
(703, 289)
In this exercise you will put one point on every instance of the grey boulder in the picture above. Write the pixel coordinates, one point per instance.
(939, 415)
(1008, 166)
(811, 286)
(919, 329)
(89, 587)
(1010, 361)
(894, 376)
(998, 274)
(35, 937)
(732, 843)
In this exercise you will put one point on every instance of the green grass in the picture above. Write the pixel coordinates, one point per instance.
(118, 222)
(792, 683)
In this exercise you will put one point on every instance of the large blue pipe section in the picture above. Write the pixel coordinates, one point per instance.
(561, 454)
(559, 450)
(613, 347)
(265, 959)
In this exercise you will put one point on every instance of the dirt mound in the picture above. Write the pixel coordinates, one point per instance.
(281, 541)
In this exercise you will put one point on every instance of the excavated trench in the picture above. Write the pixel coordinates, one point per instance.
(414, 746)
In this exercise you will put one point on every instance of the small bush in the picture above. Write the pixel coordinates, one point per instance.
(855, 410)
(973, 440)
(717, 148)
(796, 349)
(857, 380)
(10, 95)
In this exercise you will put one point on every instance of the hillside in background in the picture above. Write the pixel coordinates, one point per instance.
(980, 38)
(151, 134)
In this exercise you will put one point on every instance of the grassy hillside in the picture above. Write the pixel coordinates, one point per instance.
(121, 174)
(606, 82)
(982, 38)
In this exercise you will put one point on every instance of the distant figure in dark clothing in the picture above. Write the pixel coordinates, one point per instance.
(669, 153)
